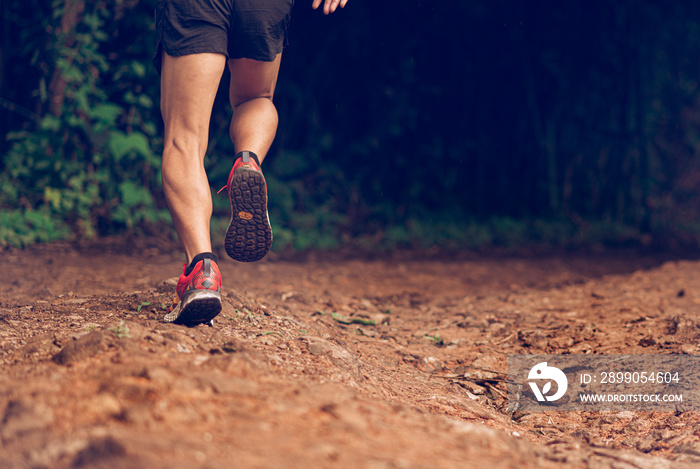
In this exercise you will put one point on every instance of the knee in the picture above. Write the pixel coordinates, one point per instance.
(183, 158)
(181, 163)
(183, 146)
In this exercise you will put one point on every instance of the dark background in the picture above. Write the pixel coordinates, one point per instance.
(460, 124)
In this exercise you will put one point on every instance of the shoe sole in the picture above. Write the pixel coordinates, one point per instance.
(198, 307)
(249, 235)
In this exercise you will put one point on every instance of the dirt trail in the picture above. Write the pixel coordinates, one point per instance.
(329, 363)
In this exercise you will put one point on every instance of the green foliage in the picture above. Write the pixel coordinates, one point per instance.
(583, 136)
(23, 228)
(436, 340)
(121, 330)
(89, 164)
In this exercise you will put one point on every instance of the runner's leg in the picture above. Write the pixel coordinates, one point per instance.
(254, 121)
(188, 88)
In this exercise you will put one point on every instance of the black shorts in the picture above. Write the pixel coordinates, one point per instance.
(251, 29)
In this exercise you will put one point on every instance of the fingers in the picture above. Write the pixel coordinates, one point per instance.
(329, 6)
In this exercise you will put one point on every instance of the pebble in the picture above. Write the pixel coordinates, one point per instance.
(80, 349)
(24, 416)
(183, 348)
(430, 364)
(340, 356)
(692, 448)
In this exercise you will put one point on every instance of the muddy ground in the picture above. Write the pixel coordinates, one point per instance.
(329, 362)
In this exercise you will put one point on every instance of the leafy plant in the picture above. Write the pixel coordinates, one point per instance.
(436, 340)
(122, 330)
(228, 347)
(89, 165)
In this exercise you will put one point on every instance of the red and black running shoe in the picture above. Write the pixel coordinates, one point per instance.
(249, 235)
(198, 292)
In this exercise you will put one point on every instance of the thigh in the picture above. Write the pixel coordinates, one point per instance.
(252, 79)
(186, 27)
(188, 88)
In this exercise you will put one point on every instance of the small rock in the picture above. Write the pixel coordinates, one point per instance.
(159, 375)
(350, 415)
(692, 448)
(200, 359)
(168, 286)
(380, 318)
(481, 323)
(105, 404)
(498, 329)
(484, 367)
(472, 388)
(106, 449)
(430, 364)
(80, 349)
(23, 416)
(367, 332)
(340, 356)
(222, 384)
(535, 339)
(647, 341)
(680, 325)
(76, 301)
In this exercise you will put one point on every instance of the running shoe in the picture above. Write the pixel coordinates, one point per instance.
(249, 235)
(198, 292)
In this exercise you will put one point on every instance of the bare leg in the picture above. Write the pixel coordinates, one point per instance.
(253, 127)
(188, 88)
(254, 121)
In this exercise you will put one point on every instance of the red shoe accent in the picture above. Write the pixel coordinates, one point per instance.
(204, 276)
(244, 161)
(197, 295)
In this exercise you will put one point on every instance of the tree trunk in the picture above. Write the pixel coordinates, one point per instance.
(4, 46)
(72, 9)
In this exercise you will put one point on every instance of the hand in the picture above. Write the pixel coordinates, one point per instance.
(329, 6)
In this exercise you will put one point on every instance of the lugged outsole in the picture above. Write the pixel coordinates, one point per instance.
(249, 235)
(197, 308)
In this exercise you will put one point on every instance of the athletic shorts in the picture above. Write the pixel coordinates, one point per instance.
(251, 29)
